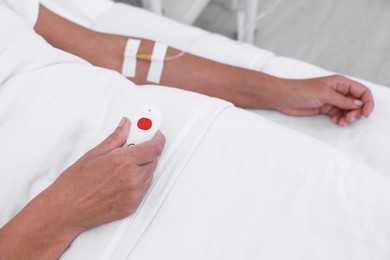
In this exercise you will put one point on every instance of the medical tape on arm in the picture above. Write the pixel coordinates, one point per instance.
(157, 64)
(130, 58)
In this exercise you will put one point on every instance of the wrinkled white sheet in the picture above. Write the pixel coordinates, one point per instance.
(230, 185)
(366, 140)
(83, 12)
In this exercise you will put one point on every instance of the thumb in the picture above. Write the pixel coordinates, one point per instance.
(343, 102)
(115, 140)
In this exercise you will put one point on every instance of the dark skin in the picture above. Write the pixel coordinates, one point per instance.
(342, 99)
(114, 179)
(106, 184)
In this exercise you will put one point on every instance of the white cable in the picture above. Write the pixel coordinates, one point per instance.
(159, 52)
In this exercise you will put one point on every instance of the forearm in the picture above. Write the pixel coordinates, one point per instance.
(107, 183)
(76, 39)
(39, 231)
(243, 87)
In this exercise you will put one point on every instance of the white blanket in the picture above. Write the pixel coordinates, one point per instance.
(230, 184)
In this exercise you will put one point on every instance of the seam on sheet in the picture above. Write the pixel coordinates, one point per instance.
(158, 190)
(124, 224)
(183, 136)
(172, 183)
(179, 170)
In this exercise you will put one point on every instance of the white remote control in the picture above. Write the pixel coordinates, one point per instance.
(145, 122)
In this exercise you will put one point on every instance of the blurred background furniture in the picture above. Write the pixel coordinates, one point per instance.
(346, 36)
(349, 36)
(187, 11)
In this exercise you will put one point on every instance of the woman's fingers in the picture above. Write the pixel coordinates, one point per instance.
(149, 151)
(337, 99)
(362, 93)
(350, 100)
(115, 140)
(348, 117)
(369, 104)
(146, 171)
(353, 93)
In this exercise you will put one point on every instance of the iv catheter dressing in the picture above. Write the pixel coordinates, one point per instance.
(158, 57)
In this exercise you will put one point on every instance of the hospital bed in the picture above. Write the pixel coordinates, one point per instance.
(231, 184)
(187, 11)
(182, 11)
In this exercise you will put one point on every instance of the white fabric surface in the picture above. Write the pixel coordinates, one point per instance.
(83, 12)
(230, 184)
(27, 9)
(264, 193)
(367, 140)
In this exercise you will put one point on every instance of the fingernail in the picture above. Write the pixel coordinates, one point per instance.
(122, 122)
(358, 102)
(352, 119)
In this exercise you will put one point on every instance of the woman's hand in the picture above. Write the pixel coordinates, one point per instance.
(342, 99)
(109, 182)
(106, 184)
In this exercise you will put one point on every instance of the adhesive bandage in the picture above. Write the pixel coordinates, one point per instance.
(157, 64)
(130, 58)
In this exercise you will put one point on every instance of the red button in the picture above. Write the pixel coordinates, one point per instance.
(144, 124)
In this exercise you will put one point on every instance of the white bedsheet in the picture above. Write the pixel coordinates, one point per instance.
(366, 140)
(230, 184)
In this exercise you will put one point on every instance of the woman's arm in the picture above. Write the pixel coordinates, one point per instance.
(106, 184)
(188, 72)
(39, 231)
(342, 99)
